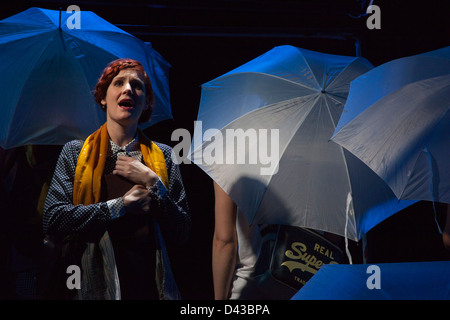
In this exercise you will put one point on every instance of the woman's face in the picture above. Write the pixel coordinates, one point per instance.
(125, 98)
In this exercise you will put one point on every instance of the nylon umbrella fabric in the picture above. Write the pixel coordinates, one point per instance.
(283, 107)
(384, 281)
(400, 127)
(49, 69)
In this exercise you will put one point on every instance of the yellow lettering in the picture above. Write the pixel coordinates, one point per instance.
(299, 280)
(298, 247)
(323, 250)
(309, 263)
(316, 247)
(311, 260)
(329, 254)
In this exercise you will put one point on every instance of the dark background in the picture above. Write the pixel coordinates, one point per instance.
(203, 39)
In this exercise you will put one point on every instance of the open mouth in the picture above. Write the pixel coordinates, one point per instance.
(126, 104)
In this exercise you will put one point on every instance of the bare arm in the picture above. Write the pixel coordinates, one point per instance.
(225, 244)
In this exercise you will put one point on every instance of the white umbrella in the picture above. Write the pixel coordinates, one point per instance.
(286, 104)
(400, 126)
(49, 69)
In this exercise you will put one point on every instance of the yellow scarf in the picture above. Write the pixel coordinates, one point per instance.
(91, 164)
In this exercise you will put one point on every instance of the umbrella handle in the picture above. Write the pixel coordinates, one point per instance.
(432, 191)
(349, 207)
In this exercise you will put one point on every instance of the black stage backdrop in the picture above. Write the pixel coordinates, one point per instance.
(203, 39)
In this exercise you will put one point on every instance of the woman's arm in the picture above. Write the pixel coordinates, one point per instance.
(60, 215)
(225, 244)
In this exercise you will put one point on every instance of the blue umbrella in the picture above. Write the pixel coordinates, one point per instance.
(49, 68)
(384, 281)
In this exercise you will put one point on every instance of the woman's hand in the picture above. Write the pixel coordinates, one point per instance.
(135, 171)
(137, 200)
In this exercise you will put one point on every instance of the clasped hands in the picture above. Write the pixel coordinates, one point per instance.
(138, 198)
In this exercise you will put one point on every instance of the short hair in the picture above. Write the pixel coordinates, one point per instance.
(111, 71)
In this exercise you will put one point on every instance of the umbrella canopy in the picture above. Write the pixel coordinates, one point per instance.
(49, 72)
(263, 133)
(385, 281)
(400, 126)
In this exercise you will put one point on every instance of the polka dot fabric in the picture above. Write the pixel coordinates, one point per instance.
(62, 217)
